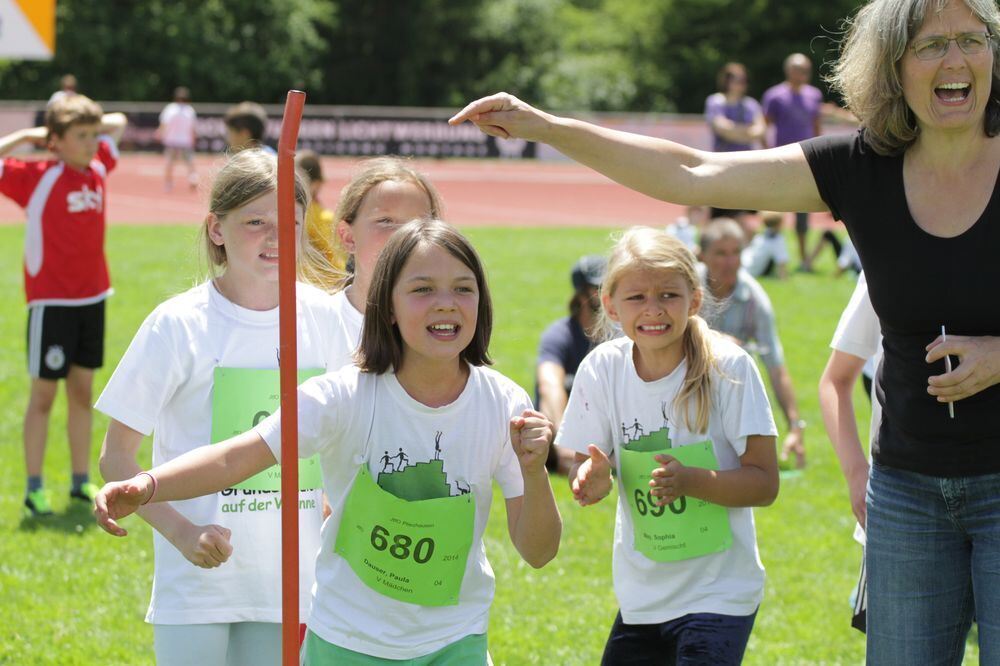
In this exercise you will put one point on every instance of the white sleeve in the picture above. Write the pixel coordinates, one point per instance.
(858, 330)
(146, 378)
(586, 419)
(508, 470)
(323, 420)
(744, 407)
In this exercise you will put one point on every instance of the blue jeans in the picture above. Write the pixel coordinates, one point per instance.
(702, 639)
(933, 561)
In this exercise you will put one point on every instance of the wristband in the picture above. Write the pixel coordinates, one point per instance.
(153, 479)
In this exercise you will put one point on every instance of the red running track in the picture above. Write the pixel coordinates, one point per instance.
(512, 193)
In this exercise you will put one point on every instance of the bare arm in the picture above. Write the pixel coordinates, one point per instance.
(533, 520)
(781, 381)
(753, 483)
(114, 124)
(732, 131)
(794, 441)
(205, 546)
(204, 470)
(552, 397)
(777, 179)
(33, 135)
(758, 130)
(836, 388)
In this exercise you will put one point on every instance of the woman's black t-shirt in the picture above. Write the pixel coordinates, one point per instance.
(917, 283)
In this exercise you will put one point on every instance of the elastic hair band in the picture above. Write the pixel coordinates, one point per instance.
(153, 479)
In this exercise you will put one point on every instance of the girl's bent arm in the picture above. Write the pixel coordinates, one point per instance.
(533, 519)
(754, 483)
(204, 470)
(776, 179)
(205, 546)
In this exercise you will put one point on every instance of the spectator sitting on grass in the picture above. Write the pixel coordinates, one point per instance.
(563, 346)
(746, 314)
(685, 228)
(767, 253)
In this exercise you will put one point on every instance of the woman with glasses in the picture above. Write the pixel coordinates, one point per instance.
(917, 190)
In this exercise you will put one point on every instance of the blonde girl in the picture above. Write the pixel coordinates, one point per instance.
(202, 366)
(410, 440)
(685, 415)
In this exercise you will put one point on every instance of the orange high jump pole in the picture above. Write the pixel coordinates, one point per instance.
(288, 363)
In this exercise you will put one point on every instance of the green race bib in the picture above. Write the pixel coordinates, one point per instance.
(242, 398)
(412, 551)
(687, 527)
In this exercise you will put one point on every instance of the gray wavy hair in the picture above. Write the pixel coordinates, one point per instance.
(867, 74)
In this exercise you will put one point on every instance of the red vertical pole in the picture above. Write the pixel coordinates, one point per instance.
(288, 364)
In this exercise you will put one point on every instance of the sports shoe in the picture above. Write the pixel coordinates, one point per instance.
(37, 503)
(85, 493)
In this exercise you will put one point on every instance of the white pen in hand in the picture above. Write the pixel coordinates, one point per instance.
(947, 367)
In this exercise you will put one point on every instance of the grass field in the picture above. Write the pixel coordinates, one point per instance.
(74, 595)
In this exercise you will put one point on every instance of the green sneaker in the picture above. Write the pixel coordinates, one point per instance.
(85, 493)
(37, 503)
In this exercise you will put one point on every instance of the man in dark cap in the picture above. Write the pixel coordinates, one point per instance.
(564, 344)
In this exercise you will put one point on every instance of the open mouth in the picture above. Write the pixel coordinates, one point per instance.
(653, 329)
(444, 331)
(953, 93)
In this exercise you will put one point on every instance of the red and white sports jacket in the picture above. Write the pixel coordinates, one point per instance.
(64, 262)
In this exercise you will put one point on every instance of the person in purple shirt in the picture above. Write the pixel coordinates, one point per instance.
(793, 107)
(736, 120)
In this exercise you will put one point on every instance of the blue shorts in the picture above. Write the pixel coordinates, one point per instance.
(697, 638)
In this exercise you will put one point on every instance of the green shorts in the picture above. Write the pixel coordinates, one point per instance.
(466, 651)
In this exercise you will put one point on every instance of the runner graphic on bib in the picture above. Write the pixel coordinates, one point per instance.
(685, 528)
(242, 398)
(408, 533)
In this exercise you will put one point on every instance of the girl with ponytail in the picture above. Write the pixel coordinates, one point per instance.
(684, 414)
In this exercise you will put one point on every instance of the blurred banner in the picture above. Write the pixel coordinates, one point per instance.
(329, 130)
(27, 29)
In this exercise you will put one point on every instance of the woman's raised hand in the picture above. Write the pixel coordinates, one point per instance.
(506, 117)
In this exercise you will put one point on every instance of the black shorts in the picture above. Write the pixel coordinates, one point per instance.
(696, 638)
(64, 335)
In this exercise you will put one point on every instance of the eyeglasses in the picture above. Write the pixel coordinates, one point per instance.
(932, 48)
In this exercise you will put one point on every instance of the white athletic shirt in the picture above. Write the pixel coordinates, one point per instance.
(348, 322)
(353, 418)
(609, 398)
(859, 334)
(163, 385)
(178, 121)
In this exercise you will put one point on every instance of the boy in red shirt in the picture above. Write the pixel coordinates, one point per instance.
(65, 275)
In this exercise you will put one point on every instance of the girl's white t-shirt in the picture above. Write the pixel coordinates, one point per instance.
(348, 322)
(611, 404)
(352, 418)
(163, 385)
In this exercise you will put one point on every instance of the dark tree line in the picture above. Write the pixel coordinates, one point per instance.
(604, 55)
